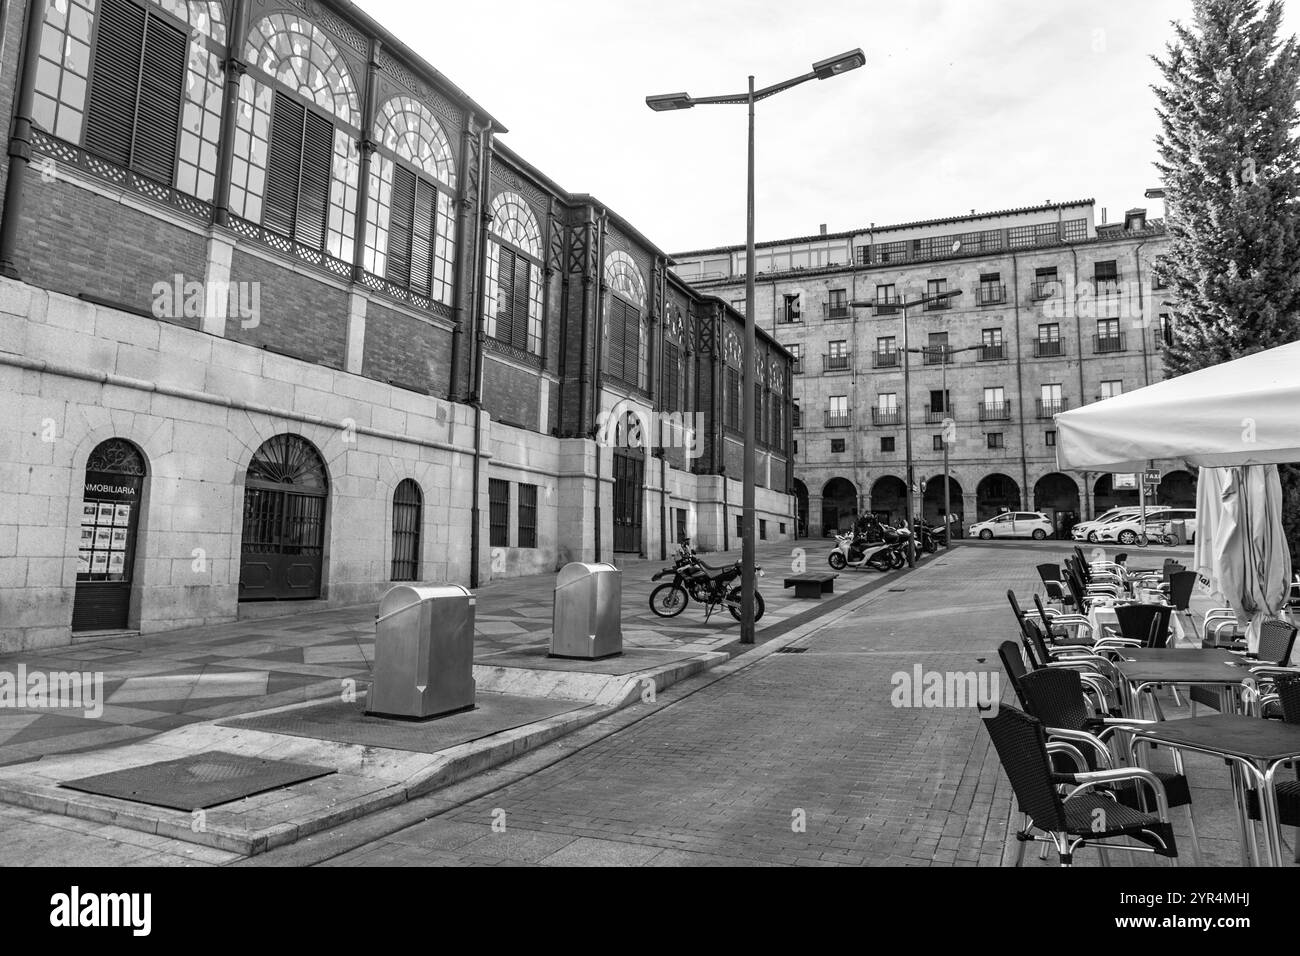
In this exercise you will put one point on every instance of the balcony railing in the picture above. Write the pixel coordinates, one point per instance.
(887, 305)
(1108, 343)
(933, 416)
(886, 416)
(991, 293)
(1048, 348)
(992, 353)
(839, 419)
(1107, 285)
(835, 363)
(1045, 289)
(994, 411)
(937, 355)
(884, 359)
(796, 367)
(835, 310)
(938, 305)
(1046, 409)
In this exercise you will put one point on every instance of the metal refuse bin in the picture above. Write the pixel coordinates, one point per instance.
(588, 619)
(424, 652)
(1179, 530)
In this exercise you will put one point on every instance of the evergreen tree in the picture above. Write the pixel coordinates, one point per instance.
(1230, 163)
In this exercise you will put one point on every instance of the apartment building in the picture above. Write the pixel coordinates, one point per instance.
(1046, 309)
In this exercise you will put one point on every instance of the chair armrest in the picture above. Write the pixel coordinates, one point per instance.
(1070, 750)
(1097, 778)
(1082, 737)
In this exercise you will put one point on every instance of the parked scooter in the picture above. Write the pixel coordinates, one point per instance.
(929, 538)
(873, 545)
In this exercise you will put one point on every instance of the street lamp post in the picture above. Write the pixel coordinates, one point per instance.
(947, 484)
(821, 70)
(888, 308)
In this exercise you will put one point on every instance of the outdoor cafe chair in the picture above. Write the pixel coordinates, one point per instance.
(1267, 666)
(1056, 698)
(1287, 792)
(1181, 585)
(1144, 625)
(1070, 821)
(1059, 619)
(1053, 627)
(1050, 576)
(1039, 655)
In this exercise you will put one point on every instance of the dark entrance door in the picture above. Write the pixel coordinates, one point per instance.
(629, 489)
(284, 522)
(110, 514)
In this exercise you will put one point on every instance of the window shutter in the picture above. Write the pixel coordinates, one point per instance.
(110, 114)
(284, 155)
(614, 346)
(314, 187)
(631, 344)
(400, 218)
(670, 400)
(422, 236)
(505, 290)
(519, 300)
(162, 81)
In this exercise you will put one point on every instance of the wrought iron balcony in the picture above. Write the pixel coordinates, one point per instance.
(1105, 286)
(1048, 348)
(937, 355)
(994, 411)
(1046, 409)
(889, 305)
(886, 416)
(992, 353)
(1045, 289)
(938, 305)
(835, 363)
(934, 416)
(835, 310)
(991, 293)
(839, 419)
(884, 359)
(1108, 343)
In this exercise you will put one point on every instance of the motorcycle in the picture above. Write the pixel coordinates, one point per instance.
(930, 537)
(875, 546)
(710, 586)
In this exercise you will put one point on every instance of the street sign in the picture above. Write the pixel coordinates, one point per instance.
(1150, 489)
(1123, 481)
(1151, 477)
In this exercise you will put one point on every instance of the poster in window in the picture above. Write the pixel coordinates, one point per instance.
(116, 562)
(87, 535)
(105, 513)
(103, 536)
(99, 562)
(88, 512)
(83, 562)
(118, 539)
(121, 516)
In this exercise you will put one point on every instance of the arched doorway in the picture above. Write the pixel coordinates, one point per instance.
(110, 515)
(889, 498)
(994, 494)
(933, 504)
(1177, 489)
(283, 546)
(1105, 496)
(1057, 496)
(801, 508)
(839, 504)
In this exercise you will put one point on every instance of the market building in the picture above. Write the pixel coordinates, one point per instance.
(283, 321)
(1056, 310)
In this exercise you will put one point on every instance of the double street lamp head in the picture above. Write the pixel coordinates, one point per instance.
(821, 70)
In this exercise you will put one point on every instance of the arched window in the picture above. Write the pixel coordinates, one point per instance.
(627, 339)
(410, 228)
(297, 158)
(285, 492)
(152, 102)
(408, 505)
(513, 285)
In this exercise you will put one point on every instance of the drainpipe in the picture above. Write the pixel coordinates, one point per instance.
(464, 259)
(234, 69)
(20, 145)
(1020, 392)
(476, 381)
(599, 279)
(1078, 335)
(661, 292)
(366, 148)
(563, 369)
(1137, 260)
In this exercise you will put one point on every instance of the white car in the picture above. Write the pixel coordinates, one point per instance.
(1014, 524)
(1088, 530)
(1127, 530)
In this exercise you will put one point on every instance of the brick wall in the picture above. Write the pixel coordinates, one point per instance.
(406, 350)
(510, 393)
(300, 315)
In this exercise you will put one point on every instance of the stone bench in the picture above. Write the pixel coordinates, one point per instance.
(812, 585)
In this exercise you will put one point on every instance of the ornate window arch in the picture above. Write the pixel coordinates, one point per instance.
(410, 221)
(295, 171)
(627, 327)
(408, 515)
(513, 286)
(184, 44)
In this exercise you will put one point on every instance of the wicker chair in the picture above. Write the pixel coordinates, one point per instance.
(1287, 792)
(1276, 639)
(1084, 816)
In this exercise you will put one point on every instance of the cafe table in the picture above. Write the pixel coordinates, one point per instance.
(1143, 669)
(1102, 618)
(1254, 749)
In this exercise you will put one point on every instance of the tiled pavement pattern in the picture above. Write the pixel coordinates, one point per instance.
(160, 681)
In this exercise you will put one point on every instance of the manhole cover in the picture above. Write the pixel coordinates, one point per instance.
(198, 781)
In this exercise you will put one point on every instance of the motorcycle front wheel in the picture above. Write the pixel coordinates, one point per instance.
(897, 559)
(836, 560)
(733, 604)
(668, 600)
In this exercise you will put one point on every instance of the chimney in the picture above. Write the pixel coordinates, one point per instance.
(1135, 220)
(822, 228)
(1103, 215)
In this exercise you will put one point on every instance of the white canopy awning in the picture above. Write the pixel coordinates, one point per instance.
(1244, 412)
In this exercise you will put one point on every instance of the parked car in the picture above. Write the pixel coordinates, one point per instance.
(1087, 530)
(1126, 531)
(1014, 524)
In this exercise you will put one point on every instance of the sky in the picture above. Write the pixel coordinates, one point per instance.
(962, 104)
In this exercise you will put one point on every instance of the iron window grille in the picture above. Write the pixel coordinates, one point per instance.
(527, 516)
(498, 513)
(408, 506)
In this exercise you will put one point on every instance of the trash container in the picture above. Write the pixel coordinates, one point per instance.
(1179, 530)
(588, 617)
(424, 652)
